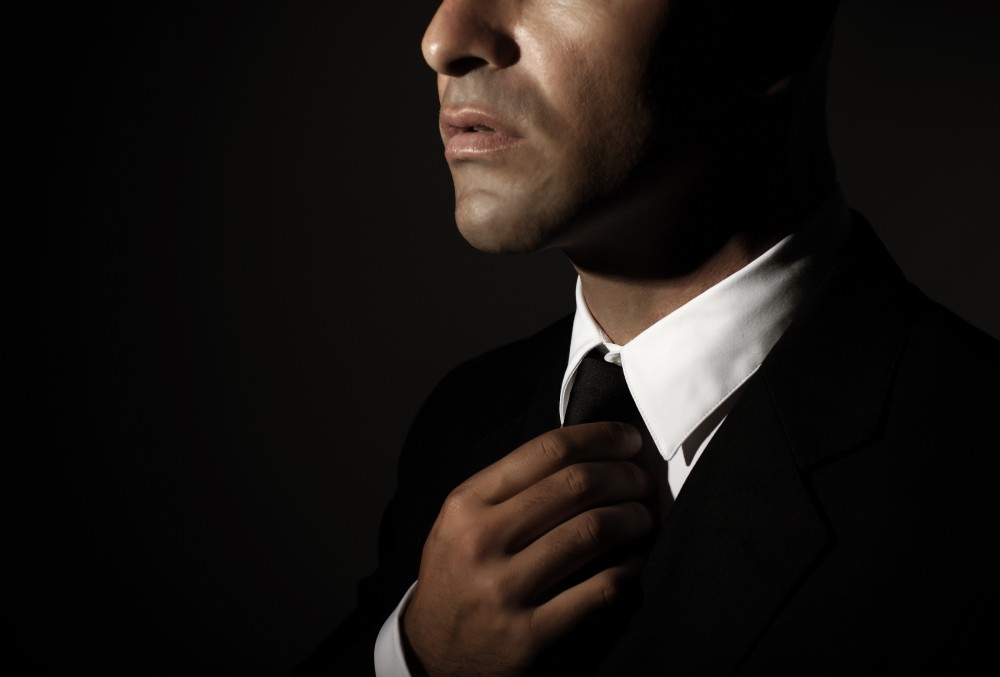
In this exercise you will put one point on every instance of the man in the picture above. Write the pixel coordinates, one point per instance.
(754, 449)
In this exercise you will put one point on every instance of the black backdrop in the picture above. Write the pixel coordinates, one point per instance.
(229, 231)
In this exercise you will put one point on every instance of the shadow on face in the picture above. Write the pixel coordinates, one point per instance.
(570, 123)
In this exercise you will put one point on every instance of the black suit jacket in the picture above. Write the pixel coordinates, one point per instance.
(841, 521)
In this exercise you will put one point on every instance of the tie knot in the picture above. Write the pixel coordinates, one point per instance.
(600, 393)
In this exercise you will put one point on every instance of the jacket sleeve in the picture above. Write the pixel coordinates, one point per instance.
(425, 475)
(350, 649)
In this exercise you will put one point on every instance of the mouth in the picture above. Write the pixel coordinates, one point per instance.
(475, 133)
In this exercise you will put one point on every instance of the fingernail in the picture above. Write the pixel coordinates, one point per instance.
(633, 438)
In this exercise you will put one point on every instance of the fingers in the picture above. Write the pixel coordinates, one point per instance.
(511, 542)
(564, 612)
(565, 494)
(562, 551)
(550, 452)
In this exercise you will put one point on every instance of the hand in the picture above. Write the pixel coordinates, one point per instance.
(492, 592)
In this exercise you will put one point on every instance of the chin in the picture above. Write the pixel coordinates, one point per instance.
(497, 237)
(495, 226)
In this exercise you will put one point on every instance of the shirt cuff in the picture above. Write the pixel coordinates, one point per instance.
(390, 659)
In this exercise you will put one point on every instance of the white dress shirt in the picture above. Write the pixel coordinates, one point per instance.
(686, 370)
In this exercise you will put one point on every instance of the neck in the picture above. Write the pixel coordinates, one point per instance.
(633, 280)
(649, 252)
(626, 306)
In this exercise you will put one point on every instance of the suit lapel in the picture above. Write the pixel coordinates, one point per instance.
(745, 531)
(739, 537)
(831, 373)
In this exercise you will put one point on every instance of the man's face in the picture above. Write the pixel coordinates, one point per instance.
(544, 110)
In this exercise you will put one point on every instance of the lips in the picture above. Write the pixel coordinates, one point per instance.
(473, 133)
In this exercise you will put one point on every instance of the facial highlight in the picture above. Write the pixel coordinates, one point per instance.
(544, 110)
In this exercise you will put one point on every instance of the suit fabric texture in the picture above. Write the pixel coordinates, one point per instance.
(841, 521)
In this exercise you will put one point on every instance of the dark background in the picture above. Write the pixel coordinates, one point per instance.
(234, 275)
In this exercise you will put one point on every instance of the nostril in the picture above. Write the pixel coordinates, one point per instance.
(466, 36)
(464, 65)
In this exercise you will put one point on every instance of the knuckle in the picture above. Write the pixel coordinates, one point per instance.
(472, 545)
(531, 634)
(553, 449)
(591, 529)
(579, 481)
(497, 588)
(455, 504)
(494, 590)
(531, 628)
(609, 591)
(506, 584)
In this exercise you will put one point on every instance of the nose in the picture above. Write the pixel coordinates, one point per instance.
(466, 35)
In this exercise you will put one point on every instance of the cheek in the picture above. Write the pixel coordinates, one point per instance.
(591, 68)
(605, 117)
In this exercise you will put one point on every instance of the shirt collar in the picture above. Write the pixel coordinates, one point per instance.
(683, 367)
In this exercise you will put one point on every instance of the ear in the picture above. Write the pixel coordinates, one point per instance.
(790, 47)
(788, 75)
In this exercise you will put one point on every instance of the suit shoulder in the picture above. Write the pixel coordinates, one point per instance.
(509, 367)
(943, 344)
(478, 393)
(945, 393)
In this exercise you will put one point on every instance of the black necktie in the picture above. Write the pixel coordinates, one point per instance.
(600, 393)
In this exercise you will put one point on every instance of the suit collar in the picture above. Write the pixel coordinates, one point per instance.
(683, 366)
(746, 530)
(739, 538)
(829, 377)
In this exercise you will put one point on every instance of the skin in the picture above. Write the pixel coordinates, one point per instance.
(656, 185)
(542, 68)
(505, 539)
